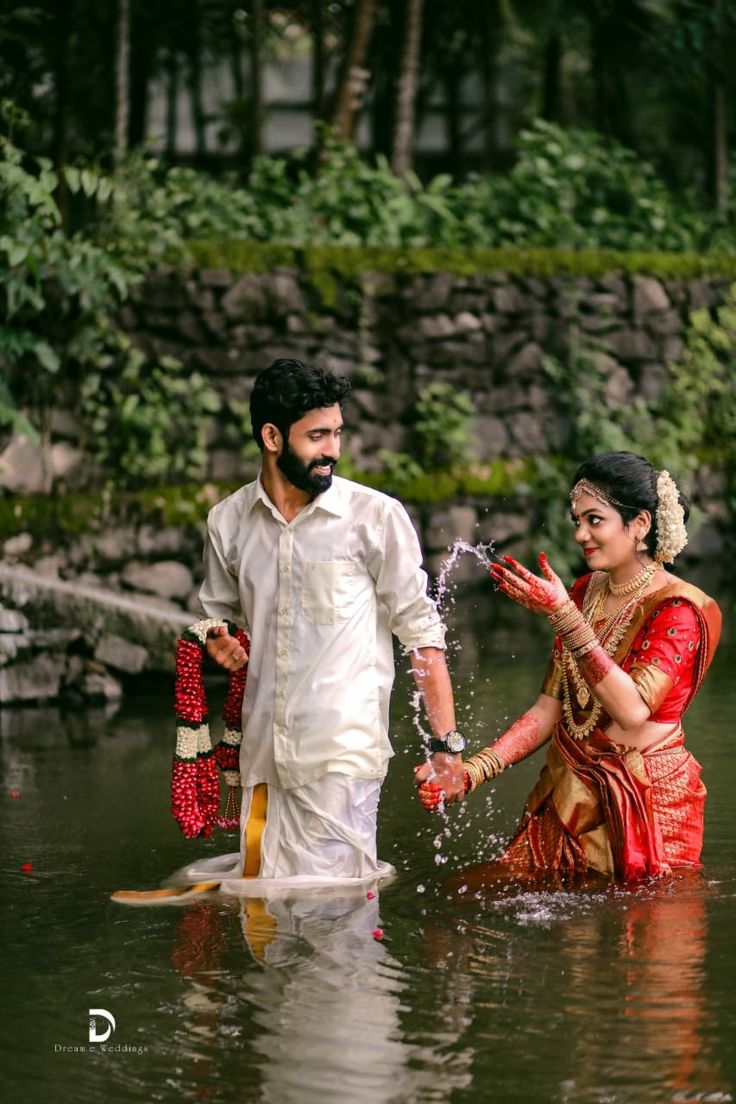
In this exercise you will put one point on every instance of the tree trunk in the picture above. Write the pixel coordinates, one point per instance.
(490, 42)
(318, 63)
(256, 77)
(172, 104)
(403, 151)
(552, 88)
(719, 155)
(354, 76)
(198, 114)
(140, 75)
(718, 152)
(122, 80)
(453, 114)
(60, 67)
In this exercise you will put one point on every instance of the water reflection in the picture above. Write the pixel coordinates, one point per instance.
(657, 977)
(511, 993)
(621, 989)
(326, 999)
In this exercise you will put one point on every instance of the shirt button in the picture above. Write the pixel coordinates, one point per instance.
(282, 653)
(279, 693)
(283, 611)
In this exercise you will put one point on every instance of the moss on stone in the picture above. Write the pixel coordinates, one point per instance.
(327, 265)
(65, 516)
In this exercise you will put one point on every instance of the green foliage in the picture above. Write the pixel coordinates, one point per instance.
(56, 291)
(570, 189)
(60, 295)
(147, 423)
(443, 418)
(577, 188)
(443, 448)
(692, 420)
(699, 406)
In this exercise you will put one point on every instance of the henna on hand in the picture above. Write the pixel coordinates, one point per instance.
(520, 740)
(595, 665)
(540, 595)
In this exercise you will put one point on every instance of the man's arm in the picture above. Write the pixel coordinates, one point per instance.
(219, 598)
(433, 683)
(401, 584)
(432, 679)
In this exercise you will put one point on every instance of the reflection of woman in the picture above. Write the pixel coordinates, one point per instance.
(619, 794)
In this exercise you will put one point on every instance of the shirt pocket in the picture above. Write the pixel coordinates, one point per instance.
(329, 591)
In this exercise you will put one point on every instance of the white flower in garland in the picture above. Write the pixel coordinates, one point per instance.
(671, 532)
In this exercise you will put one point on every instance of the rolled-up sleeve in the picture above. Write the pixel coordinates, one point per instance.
(401, 584)
(218, 595)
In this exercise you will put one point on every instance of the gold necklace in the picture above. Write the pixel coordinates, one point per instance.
(629, 587)
(609, 636)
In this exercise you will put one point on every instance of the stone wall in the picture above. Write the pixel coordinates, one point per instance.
(80, 643)
(390, 334)
(487, 335)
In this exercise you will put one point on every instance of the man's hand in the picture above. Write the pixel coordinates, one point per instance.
(225, 649)
(443, 777)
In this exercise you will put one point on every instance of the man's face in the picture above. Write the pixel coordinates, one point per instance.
(312, 449)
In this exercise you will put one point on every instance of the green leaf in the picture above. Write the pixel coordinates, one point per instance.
(47, 357)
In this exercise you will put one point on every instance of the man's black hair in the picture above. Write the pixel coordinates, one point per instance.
(287, 390)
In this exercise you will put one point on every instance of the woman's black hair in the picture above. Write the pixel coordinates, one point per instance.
(287, 390)
(632, 481)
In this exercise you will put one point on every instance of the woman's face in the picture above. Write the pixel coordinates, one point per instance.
(605, 541)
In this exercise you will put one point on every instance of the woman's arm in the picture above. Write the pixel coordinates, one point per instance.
(521, 739)
(616, 691)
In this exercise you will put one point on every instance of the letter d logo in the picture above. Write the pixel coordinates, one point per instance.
(111, 1025)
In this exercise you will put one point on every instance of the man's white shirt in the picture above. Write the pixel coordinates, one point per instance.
(319, 598)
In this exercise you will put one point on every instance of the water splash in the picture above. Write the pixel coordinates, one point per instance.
(444, 597)
(482, 552)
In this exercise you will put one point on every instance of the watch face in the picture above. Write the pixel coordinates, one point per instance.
(456, 742)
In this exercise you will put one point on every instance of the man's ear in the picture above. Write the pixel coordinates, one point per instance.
(272, 437)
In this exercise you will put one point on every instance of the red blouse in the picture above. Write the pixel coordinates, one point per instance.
(661, 660)
(669, 640)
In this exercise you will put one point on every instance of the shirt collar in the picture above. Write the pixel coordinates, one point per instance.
(333, 500)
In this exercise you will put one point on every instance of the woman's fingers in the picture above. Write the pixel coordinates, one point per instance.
(546, 569)
(430, 794)
(524, 572)
(508, 583)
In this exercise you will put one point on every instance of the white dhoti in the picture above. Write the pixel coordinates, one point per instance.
(320, 834)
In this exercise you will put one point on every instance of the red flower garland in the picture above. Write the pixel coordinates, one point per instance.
(195, 789)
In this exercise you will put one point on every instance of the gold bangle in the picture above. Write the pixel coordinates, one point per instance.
(585, 649)
(482, 766)
(561, 618)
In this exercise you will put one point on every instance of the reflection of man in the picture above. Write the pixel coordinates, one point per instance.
(320, 572)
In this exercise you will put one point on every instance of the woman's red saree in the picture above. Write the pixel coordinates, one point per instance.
(600, 806)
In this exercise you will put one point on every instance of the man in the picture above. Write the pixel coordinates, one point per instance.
(319, 571)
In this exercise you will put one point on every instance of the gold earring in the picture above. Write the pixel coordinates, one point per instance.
(641, 546)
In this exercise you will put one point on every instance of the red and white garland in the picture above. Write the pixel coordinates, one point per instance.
(195, 788)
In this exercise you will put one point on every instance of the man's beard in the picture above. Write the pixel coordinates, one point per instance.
(301, 474)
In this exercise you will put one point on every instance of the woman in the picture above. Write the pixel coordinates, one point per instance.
(619, 794)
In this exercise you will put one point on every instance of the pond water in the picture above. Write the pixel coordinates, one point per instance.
(519, 995)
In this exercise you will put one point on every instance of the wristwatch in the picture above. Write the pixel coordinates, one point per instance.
(452, 743)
